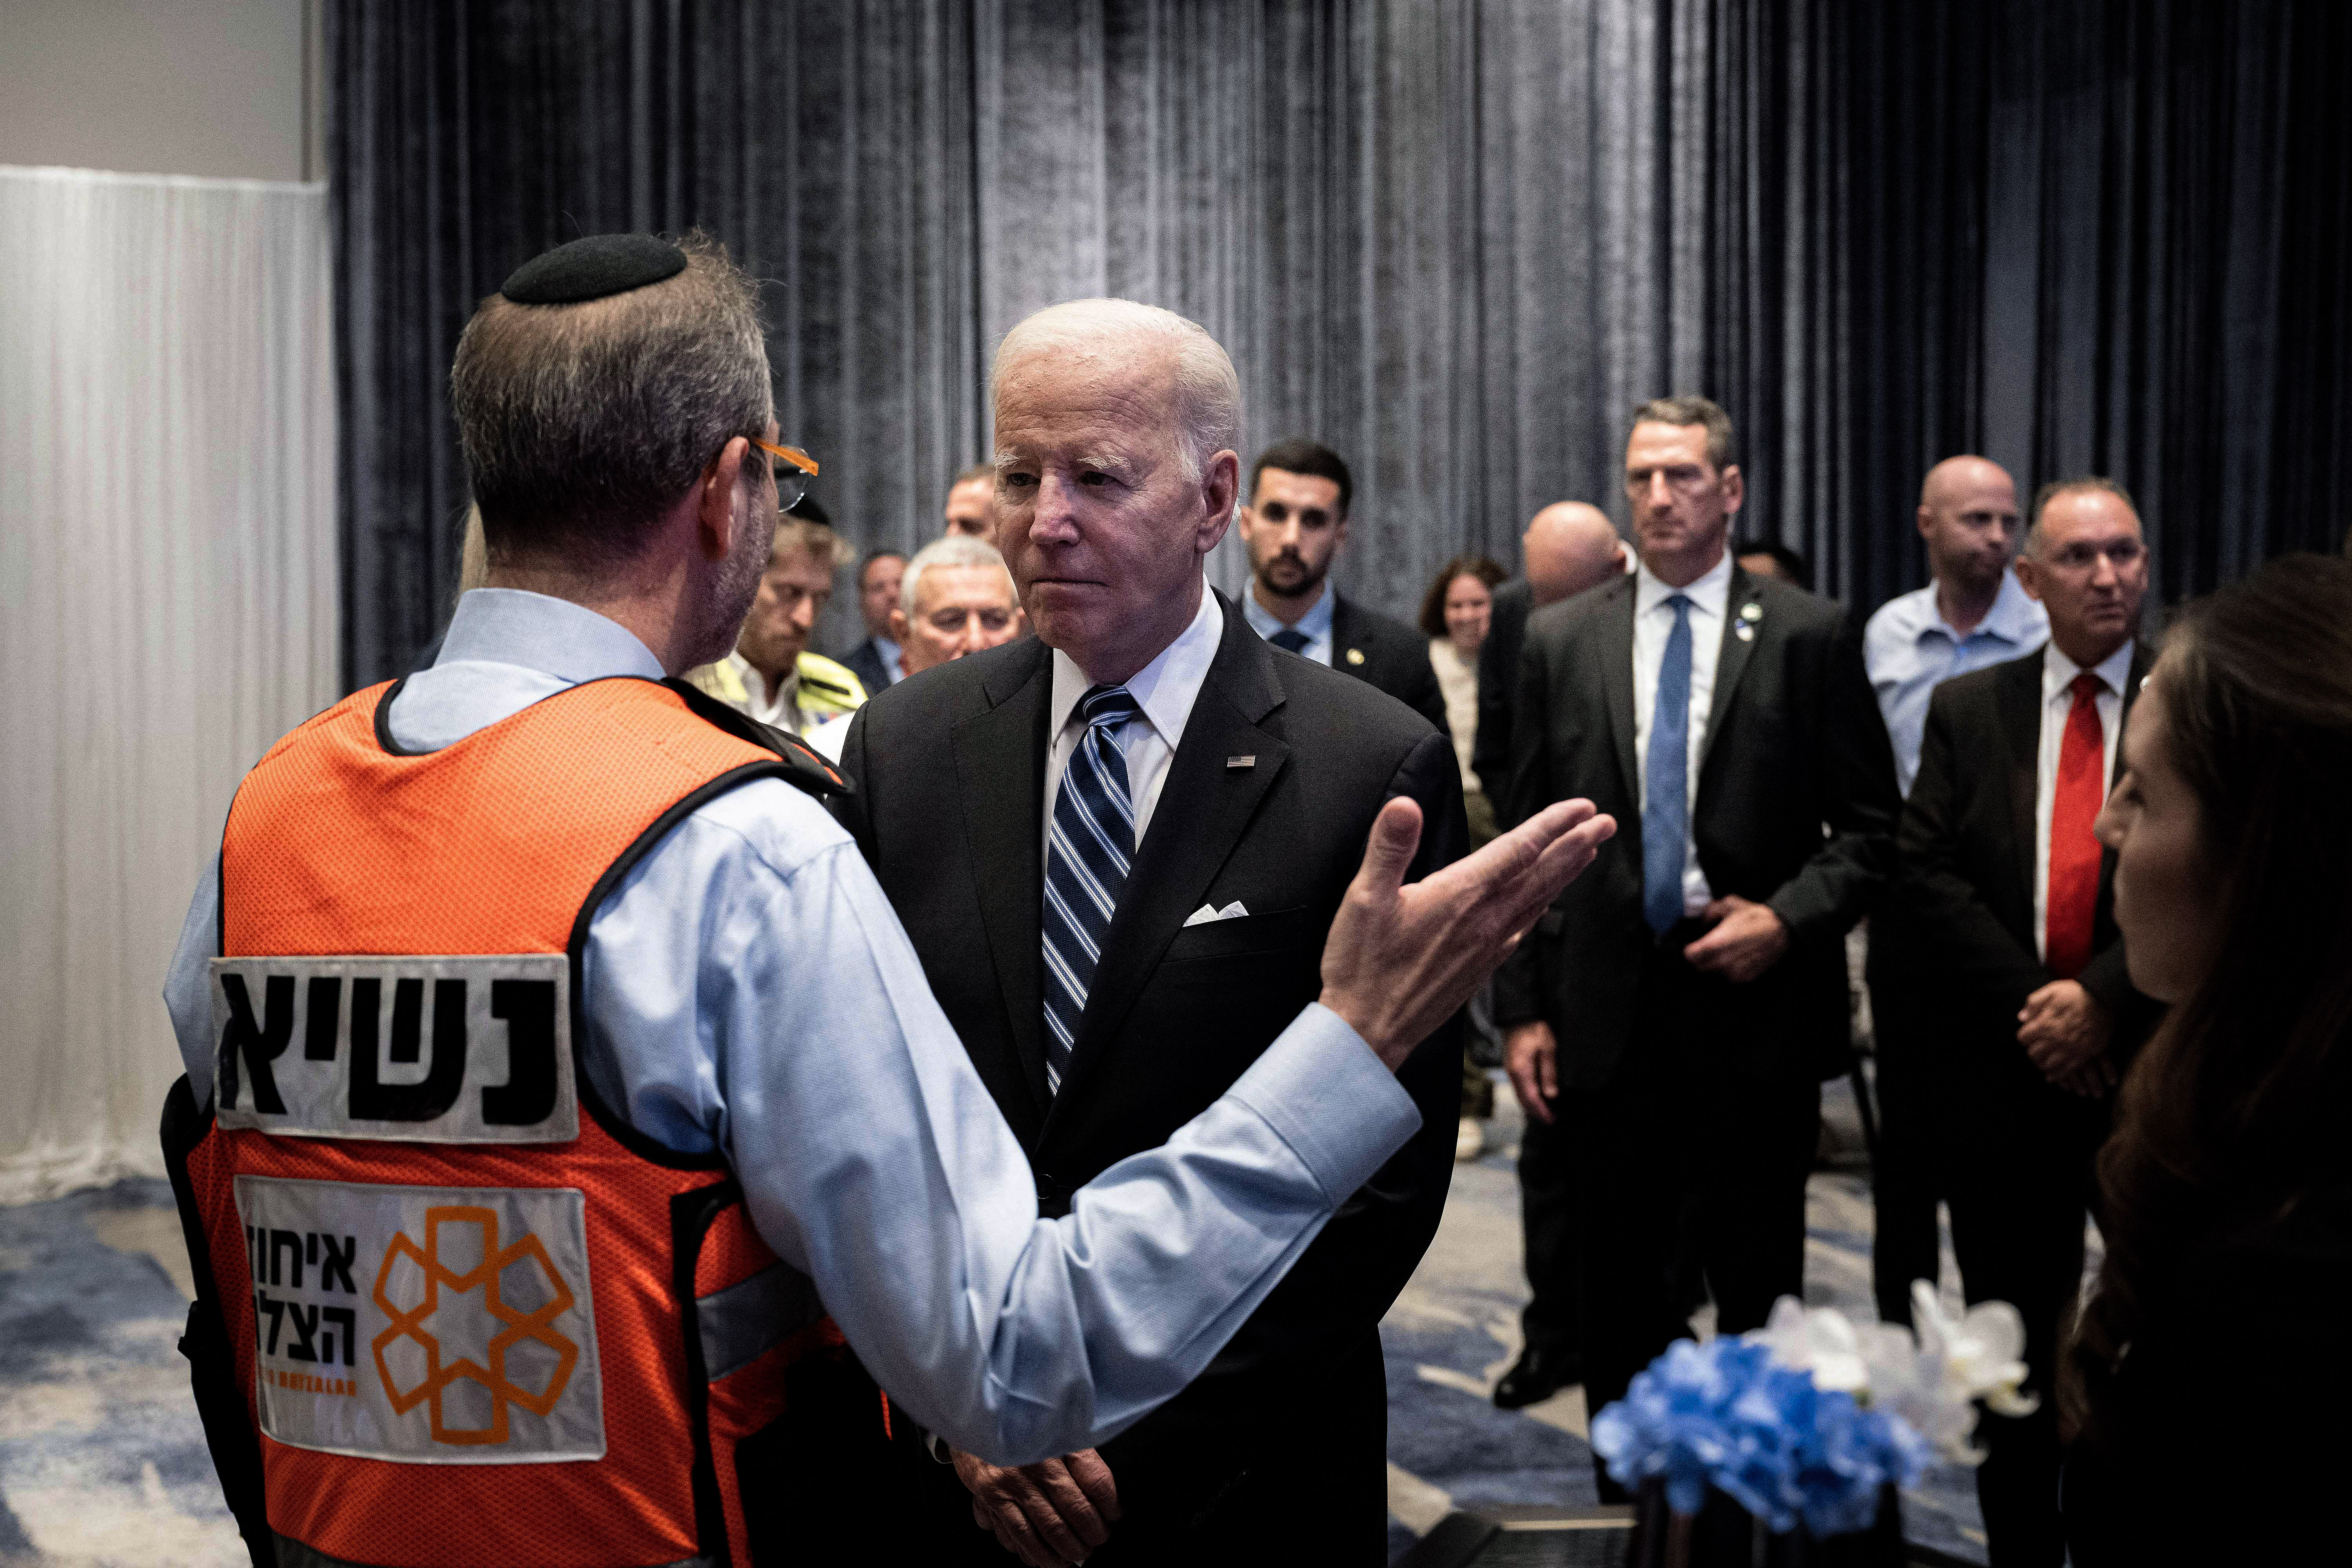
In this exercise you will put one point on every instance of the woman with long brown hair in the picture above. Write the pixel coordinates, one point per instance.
(2210, 1385)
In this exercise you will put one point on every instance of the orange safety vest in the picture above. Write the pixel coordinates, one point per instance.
(476, 1316)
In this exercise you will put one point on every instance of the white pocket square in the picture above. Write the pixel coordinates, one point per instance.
(1204, 914)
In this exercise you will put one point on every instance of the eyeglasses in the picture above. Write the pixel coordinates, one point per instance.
(792, 483)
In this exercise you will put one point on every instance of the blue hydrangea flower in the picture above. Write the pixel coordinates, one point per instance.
(1727, 1415)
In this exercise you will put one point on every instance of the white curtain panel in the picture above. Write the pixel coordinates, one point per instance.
(167, 609)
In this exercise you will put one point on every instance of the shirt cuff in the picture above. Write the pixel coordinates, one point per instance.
(1329, 1098)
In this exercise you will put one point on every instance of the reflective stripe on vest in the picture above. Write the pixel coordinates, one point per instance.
(479, 1319)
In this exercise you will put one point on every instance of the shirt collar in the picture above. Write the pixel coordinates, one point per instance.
(537, 631)
(1164, 689)
(755, 685)
(1314, 624)
(2058, 671)
(1709, 594)
(887, 649)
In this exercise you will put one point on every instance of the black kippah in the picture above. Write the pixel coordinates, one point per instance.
(592, 268)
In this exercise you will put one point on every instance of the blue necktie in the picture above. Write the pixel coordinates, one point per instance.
(1087, 857)
(1290, 640)
(1665, 800)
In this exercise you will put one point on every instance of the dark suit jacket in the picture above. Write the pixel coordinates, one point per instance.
(1961, 915)
(950, 768)
(1793, 743)
(1396, 657)
(1499, 684)
(865, 661)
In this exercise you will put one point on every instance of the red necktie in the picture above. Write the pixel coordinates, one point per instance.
(2073, 851)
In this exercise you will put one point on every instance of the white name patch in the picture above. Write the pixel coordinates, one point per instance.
(424, 1325)
(433, 1050)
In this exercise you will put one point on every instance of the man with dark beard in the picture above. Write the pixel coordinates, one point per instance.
(1293, 524)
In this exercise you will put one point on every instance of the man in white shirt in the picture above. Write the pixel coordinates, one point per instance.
(771, 675)
(2023, 1012)
(1973, 612)
(1293, 518)
(1669, 1023)
(1114, 847)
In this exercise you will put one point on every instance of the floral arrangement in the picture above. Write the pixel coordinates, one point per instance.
(1808, 1418)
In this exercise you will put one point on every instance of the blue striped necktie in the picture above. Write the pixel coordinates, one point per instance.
(1086, 857)
(1665, 800)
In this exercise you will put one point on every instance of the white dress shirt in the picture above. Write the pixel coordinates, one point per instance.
(1315, 625)
(1654, 623)
(2058, 673)
(781, 712)
(1164, 689)
(747, 990)
(1910, 649)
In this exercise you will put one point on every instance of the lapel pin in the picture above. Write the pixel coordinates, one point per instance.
(1355, 655)
(1745, 631)
(1248, 762)
(1751, 613)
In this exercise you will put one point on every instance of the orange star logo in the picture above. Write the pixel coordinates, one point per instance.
(521, 1269)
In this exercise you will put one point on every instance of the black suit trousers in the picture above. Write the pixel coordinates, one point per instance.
(2019, 1198)
(1907, 1241)
(1683, 1149)
(1308, 1495)
(1549, 1177)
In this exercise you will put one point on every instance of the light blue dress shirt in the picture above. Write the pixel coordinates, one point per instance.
(1910, 649)
(1316, 623)
(749, 990)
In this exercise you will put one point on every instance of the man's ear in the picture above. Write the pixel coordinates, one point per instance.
(1220, 490)
(715, 514)
(899, 626)
(1735, 488)
(1927, 520)
(2029, 576)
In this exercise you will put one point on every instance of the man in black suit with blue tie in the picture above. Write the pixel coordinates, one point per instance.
(1670, 1021)
(1117, 848)
(1293, 523)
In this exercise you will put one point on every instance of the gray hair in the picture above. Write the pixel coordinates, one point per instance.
(1208, 392)
(581, 423)
(1689, 409)
(957, 550)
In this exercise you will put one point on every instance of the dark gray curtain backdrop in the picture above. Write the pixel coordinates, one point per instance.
(1456, 240)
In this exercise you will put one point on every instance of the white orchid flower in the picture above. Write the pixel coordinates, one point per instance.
(1816, 1340)
(1981, 1353)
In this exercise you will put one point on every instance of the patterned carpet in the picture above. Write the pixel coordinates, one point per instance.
(1456, 1329)
(102, 1461)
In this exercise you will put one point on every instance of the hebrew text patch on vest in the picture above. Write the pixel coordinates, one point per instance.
(448, 1325)
(437, 1050)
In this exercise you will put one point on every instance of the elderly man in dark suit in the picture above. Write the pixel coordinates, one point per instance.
(2025, 1014)
(1293, 523)
(1672, 1017)
(1118, 849)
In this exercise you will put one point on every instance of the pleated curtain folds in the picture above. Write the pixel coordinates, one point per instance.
(168, 608)
(1456, 239)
